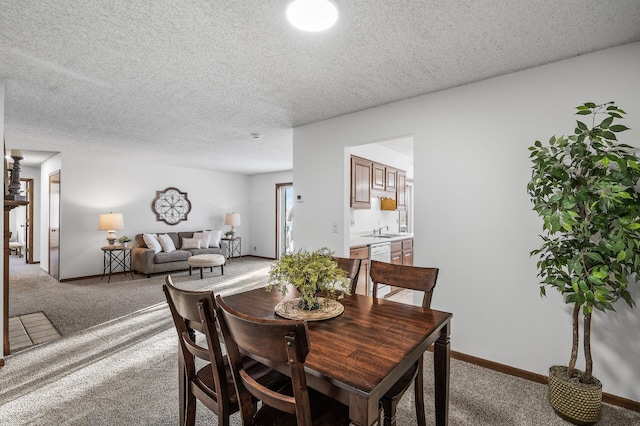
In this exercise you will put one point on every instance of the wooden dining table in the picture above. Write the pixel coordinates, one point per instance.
(357, 356)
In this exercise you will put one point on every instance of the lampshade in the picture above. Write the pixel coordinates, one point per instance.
(232, 219)
(110, 222)
(312, 15)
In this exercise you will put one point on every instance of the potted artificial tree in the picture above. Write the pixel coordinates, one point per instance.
(586, 189)
(310, 273)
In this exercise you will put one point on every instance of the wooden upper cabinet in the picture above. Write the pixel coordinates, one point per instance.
(378, 176)
(370, 178)
(360, 183)
(401, 190)
(390, 179)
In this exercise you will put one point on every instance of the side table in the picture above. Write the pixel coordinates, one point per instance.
(233, 247)
(114, 257)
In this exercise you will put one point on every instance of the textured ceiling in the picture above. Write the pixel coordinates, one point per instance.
(187, 82)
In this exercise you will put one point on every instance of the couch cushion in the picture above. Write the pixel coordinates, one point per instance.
(210, 250)
(191, 243)
(214, 240)
(204, 236)
(174, 256)
(182, 236)
(151, 241)
(167, 243)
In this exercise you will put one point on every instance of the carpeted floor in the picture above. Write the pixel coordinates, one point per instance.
(73, 306)
(124, 372)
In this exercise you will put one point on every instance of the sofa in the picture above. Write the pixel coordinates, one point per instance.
(147, 260)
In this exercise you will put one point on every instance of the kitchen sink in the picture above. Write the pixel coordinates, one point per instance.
(384, 235)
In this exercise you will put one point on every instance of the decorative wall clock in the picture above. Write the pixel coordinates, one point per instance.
(171, 206)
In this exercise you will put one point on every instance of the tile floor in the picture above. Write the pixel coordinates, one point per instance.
(30, 329)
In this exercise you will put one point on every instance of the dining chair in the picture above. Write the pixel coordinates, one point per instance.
(212, 383)
(413, 278)
(352, 266)
(285, 345)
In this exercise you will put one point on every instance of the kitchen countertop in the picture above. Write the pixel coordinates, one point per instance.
(363, 240)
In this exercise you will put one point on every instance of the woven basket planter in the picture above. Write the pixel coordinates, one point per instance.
(576, 402)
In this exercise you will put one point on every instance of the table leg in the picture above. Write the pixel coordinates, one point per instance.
(441, 367)
(110, 265)
(127, 256)
(364, 412)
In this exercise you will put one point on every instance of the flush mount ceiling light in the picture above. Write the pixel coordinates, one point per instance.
(312, 15)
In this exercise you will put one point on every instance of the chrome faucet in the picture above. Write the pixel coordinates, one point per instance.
(379, 230)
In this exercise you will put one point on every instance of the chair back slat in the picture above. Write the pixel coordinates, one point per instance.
(407, 277)
(195, 349)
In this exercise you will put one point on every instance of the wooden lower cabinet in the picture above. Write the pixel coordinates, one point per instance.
(407, 252)
(363, 277)
(402, 252)
(396, 252)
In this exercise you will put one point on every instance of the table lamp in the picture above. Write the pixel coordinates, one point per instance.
(110, 222)
(232, 219)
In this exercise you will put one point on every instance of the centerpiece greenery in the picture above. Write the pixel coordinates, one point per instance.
(310, 273)
(585, 187)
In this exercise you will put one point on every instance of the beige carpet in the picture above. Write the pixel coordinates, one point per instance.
(124, 372)
(73, 306)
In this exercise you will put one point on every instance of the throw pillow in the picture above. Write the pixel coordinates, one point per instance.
(215, 238)
(205, 237)
(167, 243)
(151, 241)
(191, 243)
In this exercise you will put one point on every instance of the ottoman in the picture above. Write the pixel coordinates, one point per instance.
(16, 247)
(206, 261)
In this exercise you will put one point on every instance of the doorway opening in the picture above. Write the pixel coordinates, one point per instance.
(387, 159)
(284, 219)
(20, 224)
(54, 225)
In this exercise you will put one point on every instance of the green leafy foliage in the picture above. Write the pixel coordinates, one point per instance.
(585, 189)
(310, 273)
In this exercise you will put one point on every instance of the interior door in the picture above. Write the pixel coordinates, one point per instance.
(54, 225)
(27, 185)
(284, 219)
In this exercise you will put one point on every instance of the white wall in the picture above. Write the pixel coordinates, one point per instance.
(473, 218)
(90, 186)
(263, 212)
